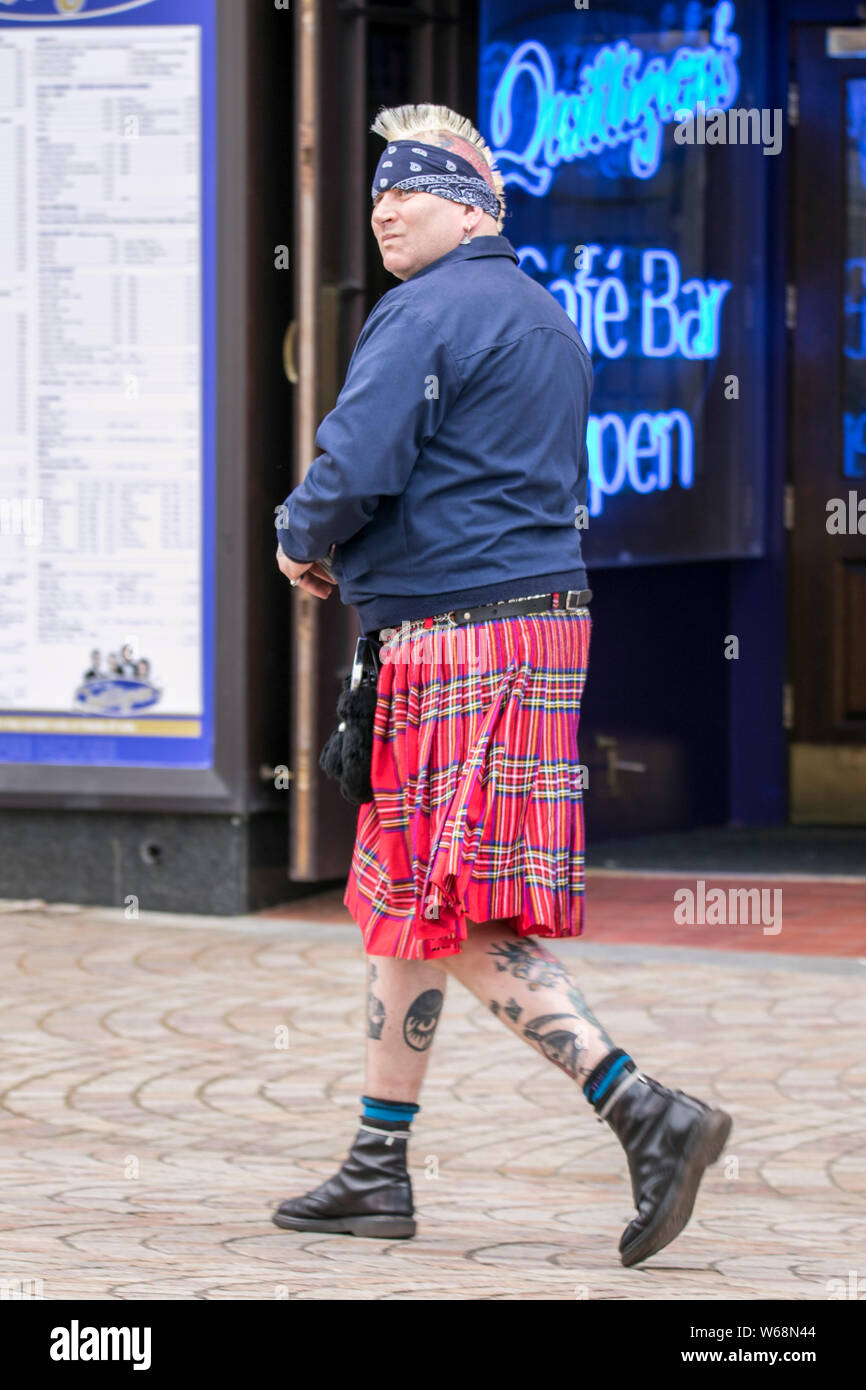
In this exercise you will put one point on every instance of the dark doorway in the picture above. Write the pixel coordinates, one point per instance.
(350, 59)
(827, 511)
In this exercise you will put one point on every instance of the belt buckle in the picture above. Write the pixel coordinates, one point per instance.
(572, 593)
(449, 618)
(365, 662)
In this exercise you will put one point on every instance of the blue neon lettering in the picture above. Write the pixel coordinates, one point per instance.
(564, 291)
(854, 459)
(675, 318)
(617, 452)
(618, 314)
(532, 253)
(601, 483)
(617, 103)
(693, 333)
(664, 425)
(621, 452)
(637, 451)
(652, 304)
(584, 284)
(704, 319)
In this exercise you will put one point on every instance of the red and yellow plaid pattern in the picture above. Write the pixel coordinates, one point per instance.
(477, 808)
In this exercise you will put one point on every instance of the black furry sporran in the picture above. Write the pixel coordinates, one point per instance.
(348, 755)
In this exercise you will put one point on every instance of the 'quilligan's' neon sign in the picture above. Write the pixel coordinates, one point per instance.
(617, 103)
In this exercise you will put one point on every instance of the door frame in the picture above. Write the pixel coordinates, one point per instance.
(827, 742)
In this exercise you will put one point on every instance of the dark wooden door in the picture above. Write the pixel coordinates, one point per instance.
(827, 516)
(350, 59)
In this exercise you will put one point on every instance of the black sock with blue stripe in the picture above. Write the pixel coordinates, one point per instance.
(388, 1114)
(604, 1079)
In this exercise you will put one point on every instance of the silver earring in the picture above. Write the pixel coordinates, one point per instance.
(466, 237)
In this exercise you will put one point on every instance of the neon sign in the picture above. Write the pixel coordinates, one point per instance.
(618, 453)
(676, 318)
(620, 449)
(854, 458)
(617, 103)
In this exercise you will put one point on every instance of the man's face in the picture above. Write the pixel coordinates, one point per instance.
(414, 228)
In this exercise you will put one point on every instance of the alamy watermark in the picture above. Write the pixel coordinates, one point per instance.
(77, 1343)
(22, 516)
(855, 1287)
(732, 907)
(735, 126)
(21, 1288)
(467, 647)
(846, 516)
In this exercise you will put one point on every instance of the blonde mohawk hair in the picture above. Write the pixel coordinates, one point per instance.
(406, 122)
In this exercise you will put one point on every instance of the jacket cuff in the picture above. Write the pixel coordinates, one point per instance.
(286, 545)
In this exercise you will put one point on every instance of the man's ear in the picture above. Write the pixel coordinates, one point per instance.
(470, 210)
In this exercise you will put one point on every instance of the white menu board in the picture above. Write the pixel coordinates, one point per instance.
(100, 389)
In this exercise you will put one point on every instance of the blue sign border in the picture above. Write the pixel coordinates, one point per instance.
(106, 750)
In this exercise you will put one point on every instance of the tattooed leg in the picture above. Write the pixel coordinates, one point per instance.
(529, 988)
(404, 1001)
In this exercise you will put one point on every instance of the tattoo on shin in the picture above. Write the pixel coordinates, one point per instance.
(576, 998)
(422, 1015)
(512, 1009)
(539, 968)
(375, 1008)
(560, 1041)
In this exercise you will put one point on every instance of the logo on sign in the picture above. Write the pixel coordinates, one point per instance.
(116, 697)
(117, 684)
(39, 11)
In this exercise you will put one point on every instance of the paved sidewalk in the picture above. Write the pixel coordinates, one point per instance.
(150, 1120)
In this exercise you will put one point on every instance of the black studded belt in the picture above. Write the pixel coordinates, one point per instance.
(565, 601)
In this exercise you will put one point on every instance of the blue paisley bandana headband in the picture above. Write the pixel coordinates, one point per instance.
(429, 169)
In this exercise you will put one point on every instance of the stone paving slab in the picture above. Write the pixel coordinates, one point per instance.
(150, 1121)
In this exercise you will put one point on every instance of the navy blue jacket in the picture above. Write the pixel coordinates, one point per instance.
(455, 457)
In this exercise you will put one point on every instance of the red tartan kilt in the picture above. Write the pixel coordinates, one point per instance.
(478, 794)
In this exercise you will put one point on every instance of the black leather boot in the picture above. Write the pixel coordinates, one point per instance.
(669, 1139)
(371, 1195)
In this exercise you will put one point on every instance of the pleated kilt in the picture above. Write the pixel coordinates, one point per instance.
(477, 809)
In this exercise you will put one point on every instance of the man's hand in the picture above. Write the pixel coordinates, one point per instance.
(310, 576)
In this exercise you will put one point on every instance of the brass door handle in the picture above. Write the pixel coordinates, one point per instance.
(289, 364)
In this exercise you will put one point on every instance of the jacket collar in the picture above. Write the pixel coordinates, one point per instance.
(478, 246)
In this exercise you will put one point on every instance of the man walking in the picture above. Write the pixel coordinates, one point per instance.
(453, 464)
